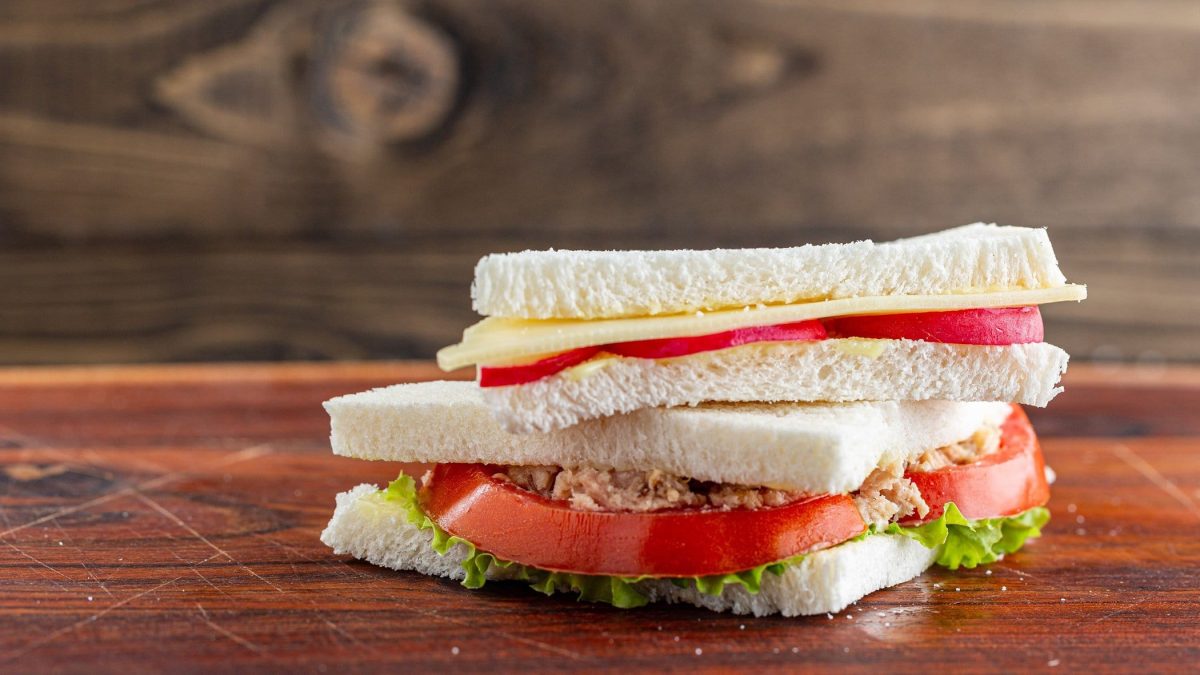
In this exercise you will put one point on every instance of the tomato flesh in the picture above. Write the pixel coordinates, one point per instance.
(467, 501)
(671, 347)
(989, 326)
(1009, 481)
(500, 377)
(999, 326)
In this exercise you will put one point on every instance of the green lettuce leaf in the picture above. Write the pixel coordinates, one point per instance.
(968, 543)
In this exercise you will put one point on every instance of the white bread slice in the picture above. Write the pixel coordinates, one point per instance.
(601, 284)
(375, 530)
(828, 370)
(814, 448)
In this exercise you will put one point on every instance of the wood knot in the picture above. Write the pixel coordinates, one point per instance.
(349, 77)
(382, 76)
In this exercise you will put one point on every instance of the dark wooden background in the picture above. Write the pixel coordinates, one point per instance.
(282, 179)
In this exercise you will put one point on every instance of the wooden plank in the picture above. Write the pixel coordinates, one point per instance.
(177, 541)
(461, 117)
(268, 301)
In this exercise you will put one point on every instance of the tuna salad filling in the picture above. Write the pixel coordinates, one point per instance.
(886, 496)
(592, 489)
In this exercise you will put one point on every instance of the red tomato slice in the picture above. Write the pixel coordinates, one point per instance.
(993, 326)
(500, 377)
(669, 347)
(513, 524)
(1007, 482)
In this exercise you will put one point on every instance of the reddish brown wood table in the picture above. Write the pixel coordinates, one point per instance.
(167, 518)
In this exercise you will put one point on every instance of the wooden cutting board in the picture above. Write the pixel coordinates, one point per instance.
(167, 518)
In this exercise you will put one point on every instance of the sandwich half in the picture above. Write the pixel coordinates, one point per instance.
(578, 335)
(789, 508)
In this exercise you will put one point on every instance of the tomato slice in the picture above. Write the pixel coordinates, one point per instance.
(510, 523)
(500, 377)
(669, 347)
(990, 326)
(1009, 481)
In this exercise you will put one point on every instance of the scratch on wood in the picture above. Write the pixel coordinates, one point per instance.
(178, 521)
(39, 562)
(1119, 610)
(1143, 467)
(12, 656)
(209, 582)
(23, 553)
(80, 555)
(228, 633)
(252, 452)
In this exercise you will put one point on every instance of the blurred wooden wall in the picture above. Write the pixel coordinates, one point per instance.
(262, 179)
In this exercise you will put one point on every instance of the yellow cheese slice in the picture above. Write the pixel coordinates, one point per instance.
(497, 341)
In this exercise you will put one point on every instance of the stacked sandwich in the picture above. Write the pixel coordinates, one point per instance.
(759, 430)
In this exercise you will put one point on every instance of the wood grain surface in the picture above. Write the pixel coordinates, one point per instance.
(290, 179)
(166, 518)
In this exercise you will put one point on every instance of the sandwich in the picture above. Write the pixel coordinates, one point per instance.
(759, 431)
(753, 508)
(576, 335)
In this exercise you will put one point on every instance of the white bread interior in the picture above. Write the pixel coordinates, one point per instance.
(601, 284)
(827, 370)
(377, 531)
(814, 448)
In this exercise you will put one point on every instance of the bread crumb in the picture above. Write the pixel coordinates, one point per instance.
(1053, 662)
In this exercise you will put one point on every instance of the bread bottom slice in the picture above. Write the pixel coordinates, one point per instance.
(377, 531)
(828, 370)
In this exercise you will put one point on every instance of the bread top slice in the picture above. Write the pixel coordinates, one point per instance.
(611, 284)
(815, 448)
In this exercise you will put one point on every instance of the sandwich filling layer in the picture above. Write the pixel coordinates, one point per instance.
(1003, 326)
(887, 495)
(499, 342)
(654, 524)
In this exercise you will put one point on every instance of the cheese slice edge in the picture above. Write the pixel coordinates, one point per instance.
(498, 341)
